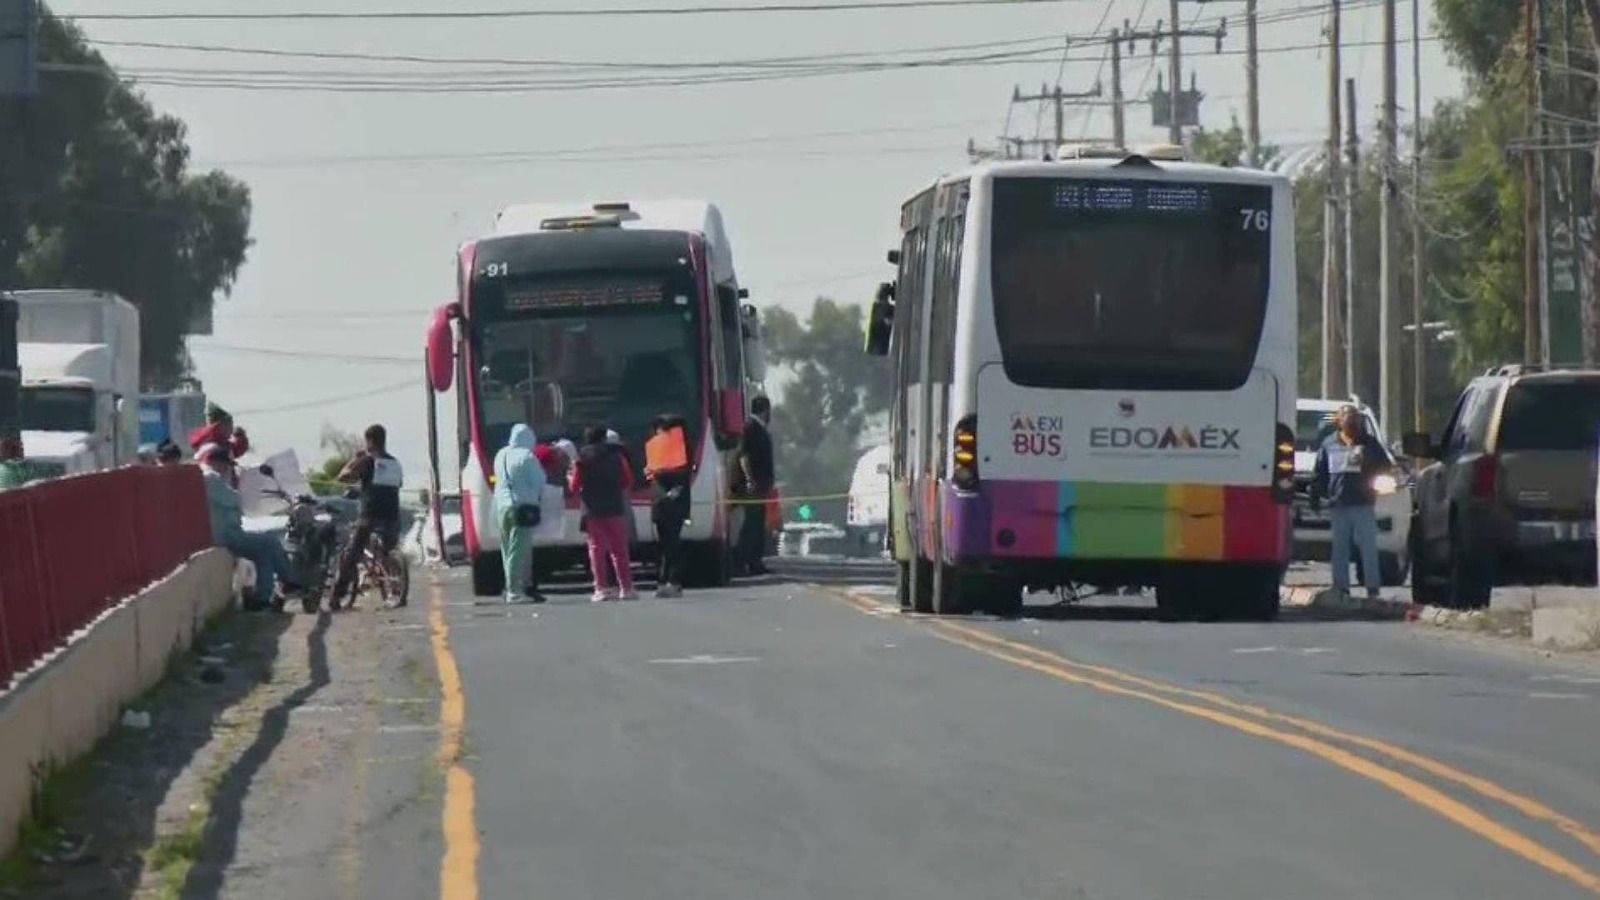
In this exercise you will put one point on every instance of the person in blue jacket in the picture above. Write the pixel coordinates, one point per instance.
(1347, 463)
(519, 479)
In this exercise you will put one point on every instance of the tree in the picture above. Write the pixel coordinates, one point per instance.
(835, 389)
(1227, 147)
(1476, 33)
(101, 196)
(324, 479)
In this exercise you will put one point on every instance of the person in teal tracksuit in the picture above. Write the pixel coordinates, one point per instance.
(518, 481)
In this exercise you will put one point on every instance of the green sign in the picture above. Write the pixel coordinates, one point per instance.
(804, 512)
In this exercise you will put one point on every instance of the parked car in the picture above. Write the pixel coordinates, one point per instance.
(422, 541)
(1509, 497)
(1313, 537)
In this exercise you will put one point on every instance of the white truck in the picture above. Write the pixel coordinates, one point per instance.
(867, 516)
(79, 355)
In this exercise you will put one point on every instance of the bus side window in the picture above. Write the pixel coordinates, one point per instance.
(732, 335)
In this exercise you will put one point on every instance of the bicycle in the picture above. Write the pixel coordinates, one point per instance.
(389, 571)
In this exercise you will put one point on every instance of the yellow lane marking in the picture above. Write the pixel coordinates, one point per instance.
(458, 873)
(1522, 803)
(1432, 799)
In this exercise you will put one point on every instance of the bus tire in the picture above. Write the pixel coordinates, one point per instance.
(488, 575)
(951, 592)
(1257, 593)
(902, 584)
(921, 585)
(1178, 597)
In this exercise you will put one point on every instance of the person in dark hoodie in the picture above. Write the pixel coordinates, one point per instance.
(603, 479)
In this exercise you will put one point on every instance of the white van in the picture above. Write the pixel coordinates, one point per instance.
(867, 516)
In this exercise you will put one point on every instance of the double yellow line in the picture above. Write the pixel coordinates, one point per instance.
(1330, 744)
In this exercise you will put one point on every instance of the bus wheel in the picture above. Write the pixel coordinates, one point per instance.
(921, 585)
(488, 575)
(998, 596)
(951, 594)
(902, 584)
(1178, 597)
(1257, 593)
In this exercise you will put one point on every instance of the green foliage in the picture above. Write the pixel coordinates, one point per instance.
(324, 479)
(101, 196)
(1227, 147)
(1477, 32)
(835, 388)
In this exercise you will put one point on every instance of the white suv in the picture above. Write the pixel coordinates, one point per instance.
(1312, 536)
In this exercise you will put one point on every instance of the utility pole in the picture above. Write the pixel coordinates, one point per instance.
(1252, 101)
(1531, 340)
(1388, 372)
(1354, 373)
(1333, 371)
(1119, 133)
(1419, 246)
(1059, 99)
(1175, 76)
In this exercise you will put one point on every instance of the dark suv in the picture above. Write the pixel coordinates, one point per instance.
(1510, 496)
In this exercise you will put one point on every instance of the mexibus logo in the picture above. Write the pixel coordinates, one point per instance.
(1037, 436)
(1172, 437)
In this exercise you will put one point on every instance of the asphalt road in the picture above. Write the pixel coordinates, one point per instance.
(778, 740)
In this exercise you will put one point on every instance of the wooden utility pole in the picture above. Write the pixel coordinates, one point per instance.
(1175, 75)
(1531, 218)
(1252, 103)
(1118, 127)
(1419, 246)
(1059, 99)
(1591, 300)
(1333, 371)
(1388, 372)
(1354, 373)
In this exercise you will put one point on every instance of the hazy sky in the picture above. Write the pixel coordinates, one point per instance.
(350, 252)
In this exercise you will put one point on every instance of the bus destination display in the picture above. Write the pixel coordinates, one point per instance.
(1132, 196)
(583, 295)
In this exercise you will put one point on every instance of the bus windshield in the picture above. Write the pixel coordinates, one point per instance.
(564, 372)
(1126, 285)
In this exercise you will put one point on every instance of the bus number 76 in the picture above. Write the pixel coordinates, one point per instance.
(1254, 219)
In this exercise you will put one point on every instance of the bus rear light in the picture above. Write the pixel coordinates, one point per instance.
(1283, 465)
(965, 474)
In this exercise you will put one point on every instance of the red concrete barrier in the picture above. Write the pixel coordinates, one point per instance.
(71, 548)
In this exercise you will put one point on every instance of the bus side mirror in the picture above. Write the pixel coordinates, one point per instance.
(880, 321)
(1418, 445)
(440, 350)
(894, 257)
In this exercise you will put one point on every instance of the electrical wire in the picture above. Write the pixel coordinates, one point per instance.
(556, 13)
(333, 355)
(331, 400)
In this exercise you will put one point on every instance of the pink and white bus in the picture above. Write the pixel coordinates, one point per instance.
(578, 314)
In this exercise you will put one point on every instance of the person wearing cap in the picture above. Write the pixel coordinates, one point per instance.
(1347, 462)
(264, 551)
(219, 429)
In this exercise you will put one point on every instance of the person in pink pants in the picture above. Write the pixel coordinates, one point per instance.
(603, 478)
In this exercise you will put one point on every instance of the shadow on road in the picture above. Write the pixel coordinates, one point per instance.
(220, 840)
(115, 794)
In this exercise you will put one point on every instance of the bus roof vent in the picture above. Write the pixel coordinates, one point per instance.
(578, 223)
(617, 207)
(1090, 151)
(1164, 152)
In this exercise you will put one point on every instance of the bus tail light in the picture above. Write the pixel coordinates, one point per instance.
(965, 474)
(1283, 465)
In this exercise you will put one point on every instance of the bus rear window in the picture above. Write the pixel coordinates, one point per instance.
(1551, 415)
(1129, 285)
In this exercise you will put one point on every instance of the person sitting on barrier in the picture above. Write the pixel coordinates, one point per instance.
(14, 470)
(263, 550)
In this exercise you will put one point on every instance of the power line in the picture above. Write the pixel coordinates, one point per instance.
(558, 13)
(331, 400)
(421, 59)
(334, 355)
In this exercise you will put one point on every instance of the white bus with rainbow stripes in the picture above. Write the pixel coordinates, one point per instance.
(1095, 363)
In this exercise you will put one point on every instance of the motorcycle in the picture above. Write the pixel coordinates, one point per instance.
(311, 541)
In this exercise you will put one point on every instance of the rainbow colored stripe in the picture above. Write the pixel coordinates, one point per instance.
(1113, 521)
